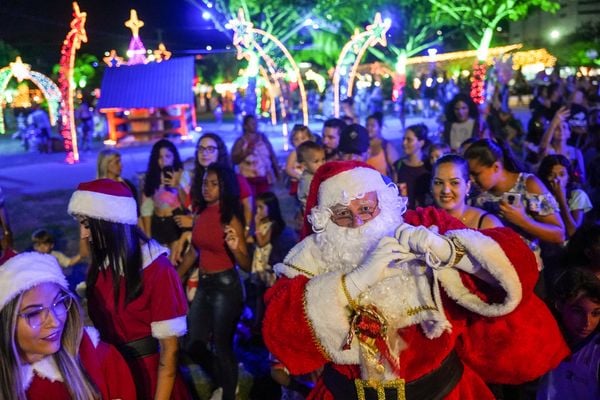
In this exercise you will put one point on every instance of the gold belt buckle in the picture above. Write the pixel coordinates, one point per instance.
(380, 387)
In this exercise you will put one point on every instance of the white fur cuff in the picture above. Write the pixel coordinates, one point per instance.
(169, 328)
(328, 315)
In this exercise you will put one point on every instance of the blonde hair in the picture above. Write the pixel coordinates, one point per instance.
(105, 156)
(76, 379)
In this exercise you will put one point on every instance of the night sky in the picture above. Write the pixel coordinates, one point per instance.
(37, 27)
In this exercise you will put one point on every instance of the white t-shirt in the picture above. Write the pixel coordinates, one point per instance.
(579, 200)
(460, 132)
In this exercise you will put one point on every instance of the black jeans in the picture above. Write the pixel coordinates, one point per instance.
(212, 321)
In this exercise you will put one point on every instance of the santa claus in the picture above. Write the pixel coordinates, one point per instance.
(418, 307)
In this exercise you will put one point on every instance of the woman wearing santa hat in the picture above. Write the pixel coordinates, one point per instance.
(46, 352)
(135, 298)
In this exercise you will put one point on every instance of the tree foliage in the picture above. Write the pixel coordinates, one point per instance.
(581, 47)
(8, 54)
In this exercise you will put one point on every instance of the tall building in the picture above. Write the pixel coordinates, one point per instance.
(541, 28)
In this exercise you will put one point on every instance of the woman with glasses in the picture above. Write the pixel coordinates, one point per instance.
(45, 351)
(135, 298)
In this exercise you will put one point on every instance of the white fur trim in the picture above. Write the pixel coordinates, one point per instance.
(45, 368)
(93, 334)
(303, 259)
(151, 251)
(348, 185)
(169, 327)
(328, 315)
(105, 207)
(26, 270)
(490, 257)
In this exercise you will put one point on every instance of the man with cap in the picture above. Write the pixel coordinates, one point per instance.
(416, 307)
(354, 143)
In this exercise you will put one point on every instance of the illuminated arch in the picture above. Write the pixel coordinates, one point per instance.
(359, 43)
(21, 72)
(244, 41)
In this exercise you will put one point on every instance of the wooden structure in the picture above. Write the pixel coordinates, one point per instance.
(148, 100)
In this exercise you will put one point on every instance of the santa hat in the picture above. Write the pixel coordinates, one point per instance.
(339, 182)
(27, 270)
(106, 200)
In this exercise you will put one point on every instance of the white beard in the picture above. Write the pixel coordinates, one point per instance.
(343, 249)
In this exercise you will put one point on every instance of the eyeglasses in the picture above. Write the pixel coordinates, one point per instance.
(207, 149)
(344, 216)
(38, 316)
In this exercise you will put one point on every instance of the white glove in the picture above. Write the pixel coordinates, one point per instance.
(374, 268)
(420, 240)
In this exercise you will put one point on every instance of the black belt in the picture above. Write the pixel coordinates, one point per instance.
(432, 386)
(140, 348)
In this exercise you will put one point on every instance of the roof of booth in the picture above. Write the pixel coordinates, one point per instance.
(148, 85)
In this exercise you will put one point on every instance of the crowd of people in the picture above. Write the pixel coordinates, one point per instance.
(480, 225)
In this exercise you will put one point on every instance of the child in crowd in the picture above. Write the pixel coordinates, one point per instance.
(293, 169)
(43, 242)
(436, 151)
(577, 302)
(311, 156)
(556, 173)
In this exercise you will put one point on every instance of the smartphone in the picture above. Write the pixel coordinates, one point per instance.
(167, 172)
(511, 198)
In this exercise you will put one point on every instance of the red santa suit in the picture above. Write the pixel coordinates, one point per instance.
(451, 332)
(159, 312)
(102, 362)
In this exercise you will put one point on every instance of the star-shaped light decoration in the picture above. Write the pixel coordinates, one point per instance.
(134, 23)
(78, 26)
(378, 29)
(20, 70)
(243, 30)
(113, 59)
(161, 53)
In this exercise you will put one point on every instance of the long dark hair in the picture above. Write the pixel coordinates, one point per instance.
(449, 111)
(152, 179)
(546, 166)
(199, 170)
(486, 152)
(229, 194)
(118, 247)
(274, 212)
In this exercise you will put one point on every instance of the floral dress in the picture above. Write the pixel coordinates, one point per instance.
(535, 204)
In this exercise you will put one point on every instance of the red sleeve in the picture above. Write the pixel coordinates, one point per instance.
(107, 369)
(245, 190)
(168, 299)
(286, 330)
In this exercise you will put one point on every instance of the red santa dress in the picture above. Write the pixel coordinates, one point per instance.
(102, 362)
(500, 333)
(160, 312)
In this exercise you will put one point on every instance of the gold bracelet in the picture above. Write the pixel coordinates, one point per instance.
(353, 305)
(459, 250)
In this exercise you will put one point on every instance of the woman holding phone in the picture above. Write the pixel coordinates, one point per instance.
(520, 199)
(218, 248)
(162, 196)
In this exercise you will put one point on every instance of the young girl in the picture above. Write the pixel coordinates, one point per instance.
(293, 169)
(135, 298)
(162, 197)
(450, 186)
(519, 199)
(46, 353)
(412, 175)
(218, 244)
(577, 302)
(557, 174)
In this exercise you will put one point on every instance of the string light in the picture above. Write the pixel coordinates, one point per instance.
(112, 59)
(71, 44)
(136, 51)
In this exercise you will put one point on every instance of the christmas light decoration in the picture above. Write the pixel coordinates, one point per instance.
(21, 72)
(136, 51)
(478, 82)
(71, 44)
(457, 55)
(112, 59)
(359, 43)
(244, 40)
(161, 53)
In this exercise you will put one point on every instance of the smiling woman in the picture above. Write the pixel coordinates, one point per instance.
(45, 351)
